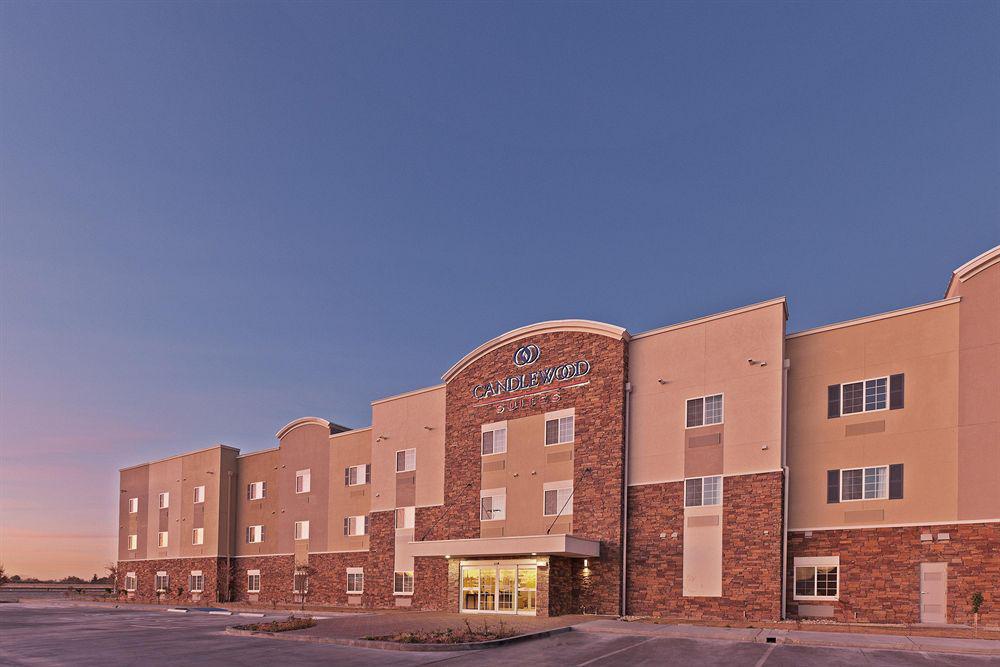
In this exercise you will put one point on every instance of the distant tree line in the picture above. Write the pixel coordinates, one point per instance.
(18, 579)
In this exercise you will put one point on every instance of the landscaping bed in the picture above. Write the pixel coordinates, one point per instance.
(471, 633)
(290, 623)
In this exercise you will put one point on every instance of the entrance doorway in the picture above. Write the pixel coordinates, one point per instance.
(934, 592)
(499, 588)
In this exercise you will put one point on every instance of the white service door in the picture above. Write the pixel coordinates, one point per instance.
(934, 592)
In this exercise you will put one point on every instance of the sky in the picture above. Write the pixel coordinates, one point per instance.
(219, 217)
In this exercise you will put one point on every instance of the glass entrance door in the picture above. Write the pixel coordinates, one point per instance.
(500, 588)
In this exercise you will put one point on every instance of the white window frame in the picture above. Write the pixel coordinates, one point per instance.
(864, 395)
(303, 480)
(559, 415)
(166, 582)
(701, 499)
(358, 472)
(815, 562)
(131, 582)
(133, 505)
(133, 542)
(495, 513)
(301, 530)
(164, 500)
(409, 460)
(199, 495)
(295, 578)
(864, 470)
(405, 577)
(250, 581)
(255, 534)
(722, 411)
(162, 539)
(197, 536)
(494, 428)
(353, 524)
(565, 486)
(355, 572)
(196, 575)
(409, 515)
(257, 492)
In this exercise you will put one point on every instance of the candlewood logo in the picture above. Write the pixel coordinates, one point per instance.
(527, 355)
(524, 356)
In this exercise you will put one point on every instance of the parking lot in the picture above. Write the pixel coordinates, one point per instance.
(53, 634)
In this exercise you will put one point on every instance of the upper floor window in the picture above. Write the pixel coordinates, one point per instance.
(864, 483)
(557, 498)
(164, 500)
(492, 504)
(704, 410)
(161, 582)
(559, 427)
(253, 581)
(405, 517)
(355, 525)
(198, 536)
(358, 475)
(494, 438)
(871, 395)
(302, 481)
(406, 460)
(131, 581)
(133, 505)
(199, 494)
(700, 491)
(196, 581)
(817, 577)
(133, 542)
(255, 534)
(355, 580)
(302, 530)
(256, 490)
(162, 539)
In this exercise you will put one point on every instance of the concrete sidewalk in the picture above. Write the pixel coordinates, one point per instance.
(796, 637)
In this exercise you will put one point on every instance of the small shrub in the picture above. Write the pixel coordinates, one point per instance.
(290, 623)
(977, 601)
(469, 634)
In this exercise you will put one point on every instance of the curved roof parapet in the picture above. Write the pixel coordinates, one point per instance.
(971, 268)
(585, 326)
(319, 421)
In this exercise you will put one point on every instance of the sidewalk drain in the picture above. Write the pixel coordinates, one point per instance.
(771, 640)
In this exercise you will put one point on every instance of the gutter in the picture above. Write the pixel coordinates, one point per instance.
(786, 364)
(628, 403)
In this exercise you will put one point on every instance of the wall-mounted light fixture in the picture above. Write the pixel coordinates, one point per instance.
(756, 362)
(661, 380)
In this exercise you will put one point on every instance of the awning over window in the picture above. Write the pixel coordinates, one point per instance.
(529, 545)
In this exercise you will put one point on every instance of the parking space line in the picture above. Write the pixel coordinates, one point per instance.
(767, 654)
(621, 650)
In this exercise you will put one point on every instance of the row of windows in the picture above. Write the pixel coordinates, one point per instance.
(557, 500)
(559, 430)
(402, 581)
(164, 500)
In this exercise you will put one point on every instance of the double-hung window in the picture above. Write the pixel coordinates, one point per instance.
(557, 498)
(198, 536)
(405, 517)
(355, 525)
(560, 427)
(199, 494)
(300, 582)
(492, 504)
(303, 479)
(131, 581)
(402, 583)
(133, 505)
(871, 395)
(196, 581)
(355, 580)
(255, 534)
(161, 582)
(358, 475)
(253, 581)
(864, 483)
(256, 490)
(133, 542)
(704, 411)
(817, 578)
(302, 530)
(702, 491)
(162, 539)
(406, 460)
(494, 438)
(164, 500)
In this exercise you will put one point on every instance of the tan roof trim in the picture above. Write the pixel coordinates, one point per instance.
(874, 318)
(261, 451)
(303, 421)
(407, 394)
(972, 267)
(351, 432)
(709, 318)
(178, 456)
(585, 326)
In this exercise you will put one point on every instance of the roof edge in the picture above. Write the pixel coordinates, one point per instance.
(717, 316)
(302, 421)
(177, 456)
(407, 394)
(874, 318)
(972, 267)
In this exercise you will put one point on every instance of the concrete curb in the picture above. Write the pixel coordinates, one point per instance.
(397, 646)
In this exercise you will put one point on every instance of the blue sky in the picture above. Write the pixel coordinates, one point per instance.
(218, 217)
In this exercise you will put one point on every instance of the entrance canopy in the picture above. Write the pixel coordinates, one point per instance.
(530, 545)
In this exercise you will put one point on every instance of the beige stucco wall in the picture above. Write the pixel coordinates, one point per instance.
(707, 357)
(258, 467)
(347, 449)
(922, 436)
(134, 483)
(306, 447)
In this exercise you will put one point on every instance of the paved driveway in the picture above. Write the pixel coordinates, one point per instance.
(59, 635)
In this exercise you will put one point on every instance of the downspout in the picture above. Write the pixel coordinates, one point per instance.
(628, 403)
(786, 364)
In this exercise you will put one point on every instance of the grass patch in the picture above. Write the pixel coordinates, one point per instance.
(469, 634)
(290, 623)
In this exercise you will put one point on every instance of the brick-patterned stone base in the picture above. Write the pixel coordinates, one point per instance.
(328, 580)
(751, 551)
(880, 570)
(276, 579)
(213, 570)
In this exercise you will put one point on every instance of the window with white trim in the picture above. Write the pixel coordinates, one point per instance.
(133, 542)
(494, 439)
(560, 427)
(492, 504)
(133, 505)
(817, 578)
(302, 530)
(303, 480)
(253, 581)
(255, 534)
(355, 580)
(557, 498)
(164, 500)
(162, 539)
(703, 491)
(161, 582)
(405, 517)
(402, 583)
(406, 460)
(131, 581)
(358, 475)
(198, 536)
(300, 582)
(256, 490)
(864, 483)
(704, 411)
(864, 395)
(355, 525)
(196, 582)
(199, 494)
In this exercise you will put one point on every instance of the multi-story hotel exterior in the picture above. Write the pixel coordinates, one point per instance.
(718, 468)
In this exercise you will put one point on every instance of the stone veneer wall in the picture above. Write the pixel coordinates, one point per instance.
(276, 579)
(379, 569)
(880, 570)
(751, 551)
(328, 581)
(178, 569)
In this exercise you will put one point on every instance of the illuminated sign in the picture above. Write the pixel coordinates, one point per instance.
(553, 376)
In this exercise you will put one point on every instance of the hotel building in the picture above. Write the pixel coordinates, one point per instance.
(720, 468)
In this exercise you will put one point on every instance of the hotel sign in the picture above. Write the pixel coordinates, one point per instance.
(548, 379)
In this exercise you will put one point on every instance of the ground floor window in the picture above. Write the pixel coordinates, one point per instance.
(131, 581)
(300, 582)
(506, 588)
(403, 583)
(162, 582)
(355, 580)
(817, 578)
(196, 582)
(253, 581)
